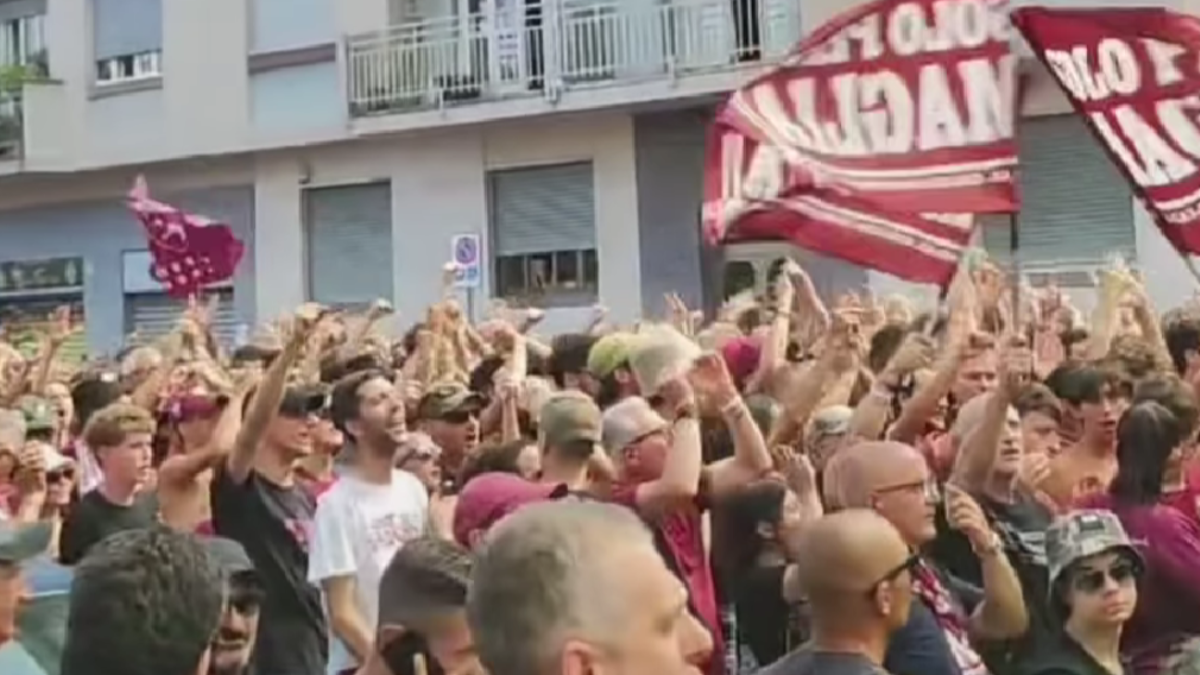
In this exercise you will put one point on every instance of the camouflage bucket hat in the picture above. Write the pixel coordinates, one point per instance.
(1083, 534)
(39, 414)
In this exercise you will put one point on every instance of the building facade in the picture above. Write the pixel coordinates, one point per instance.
(348, 142)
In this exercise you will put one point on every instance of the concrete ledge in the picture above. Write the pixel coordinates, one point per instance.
(291, 58)
(99, 90)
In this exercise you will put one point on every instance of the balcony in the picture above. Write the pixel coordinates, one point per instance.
(551, 50)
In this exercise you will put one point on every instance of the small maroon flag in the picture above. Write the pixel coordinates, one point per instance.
(189, 251)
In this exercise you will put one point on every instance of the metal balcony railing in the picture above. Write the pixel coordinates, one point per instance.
(542, 49)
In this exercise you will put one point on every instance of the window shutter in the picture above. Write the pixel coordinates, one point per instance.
(543, 209)
(125, 27)
(1075, 206)
(155, 315)
(350, 243)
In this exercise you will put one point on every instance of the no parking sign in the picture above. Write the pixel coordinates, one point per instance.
(465, 252)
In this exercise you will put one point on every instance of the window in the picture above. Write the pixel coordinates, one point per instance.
(126, 68)
(23, 42)
(127, 37)
(543, 223)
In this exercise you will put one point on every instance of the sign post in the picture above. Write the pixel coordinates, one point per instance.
(465, 251)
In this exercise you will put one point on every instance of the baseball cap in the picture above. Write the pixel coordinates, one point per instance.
(39, 414)
(832, 420)
(487, 498)
(229, 555)
(660, 357)
(19, 543)
(567, 417)
(1082, 534)
(303, 400)
(629, 420)
(609, 353)
(184, 407)
(445, 398)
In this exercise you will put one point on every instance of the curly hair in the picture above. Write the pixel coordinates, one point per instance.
(143, 602)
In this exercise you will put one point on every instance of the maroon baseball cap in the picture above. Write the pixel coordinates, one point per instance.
(193, 406)
(489, 497)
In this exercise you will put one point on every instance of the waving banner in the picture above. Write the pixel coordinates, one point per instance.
(1134, 76)
(894, 109)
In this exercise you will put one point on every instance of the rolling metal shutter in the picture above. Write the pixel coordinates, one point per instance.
(154, 315)
(25, 319)
(542, 209)
(349, 244)
(1075, 206)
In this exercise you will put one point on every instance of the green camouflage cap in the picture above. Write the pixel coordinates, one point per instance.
(609, 353)
(567, 417)
(1082, 534)
(447, 397)
(19, 543)
(39, 414)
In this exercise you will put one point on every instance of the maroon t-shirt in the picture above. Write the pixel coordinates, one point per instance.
(680, 538)
(1168, 608)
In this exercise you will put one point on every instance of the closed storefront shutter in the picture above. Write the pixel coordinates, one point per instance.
(1075, 206)
(543, 209)
(155, 315)
(349, 243)
(27, 320)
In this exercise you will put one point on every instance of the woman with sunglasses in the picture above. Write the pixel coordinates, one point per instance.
(1094, 570)
(1163, 636)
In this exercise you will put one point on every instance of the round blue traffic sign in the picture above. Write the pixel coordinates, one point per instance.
(466, 251)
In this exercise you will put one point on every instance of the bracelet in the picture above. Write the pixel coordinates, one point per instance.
(991, 549)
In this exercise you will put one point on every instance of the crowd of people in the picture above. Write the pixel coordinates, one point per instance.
(797, 485)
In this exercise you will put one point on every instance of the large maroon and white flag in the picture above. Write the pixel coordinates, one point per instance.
(895, 109)
(1134, 76)
(189, 251)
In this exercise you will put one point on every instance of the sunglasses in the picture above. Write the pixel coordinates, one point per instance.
(421, 455)
(907, 566)
(60, 475)
(1092, 581)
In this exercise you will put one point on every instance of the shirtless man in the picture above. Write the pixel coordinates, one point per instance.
(857, 577)
(1097, 397)
(203, 428)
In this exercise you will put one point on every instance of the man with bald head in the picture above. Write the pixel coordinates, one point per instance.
(856, 576)
(951, 616)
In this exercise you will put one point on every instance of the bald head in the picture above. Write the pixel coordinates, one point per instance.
(847, 552)
(859, 470)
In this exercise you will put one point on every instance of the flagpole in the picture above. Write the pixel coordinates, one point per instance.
(1014, 256)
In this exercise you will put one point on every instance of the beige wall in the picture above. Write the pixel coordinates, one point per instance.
(438, 190)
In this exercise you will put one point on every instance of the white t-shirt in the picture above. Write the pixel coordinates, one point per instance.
(357, 529)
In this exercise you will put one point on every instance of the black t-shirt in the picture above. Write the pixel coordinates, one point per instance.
(272, 523)
(94, 519)
(1021, 526)
(765, 621)
(1060, 656)
(809, 661)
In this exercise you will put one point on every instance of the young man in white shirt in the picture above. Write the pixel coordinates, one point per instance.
(368, 514)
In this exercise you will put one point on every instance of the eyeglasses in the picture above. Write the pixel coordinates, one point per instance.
(907, 566)
(420, 454)
(929, 489)
(1092, 580)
